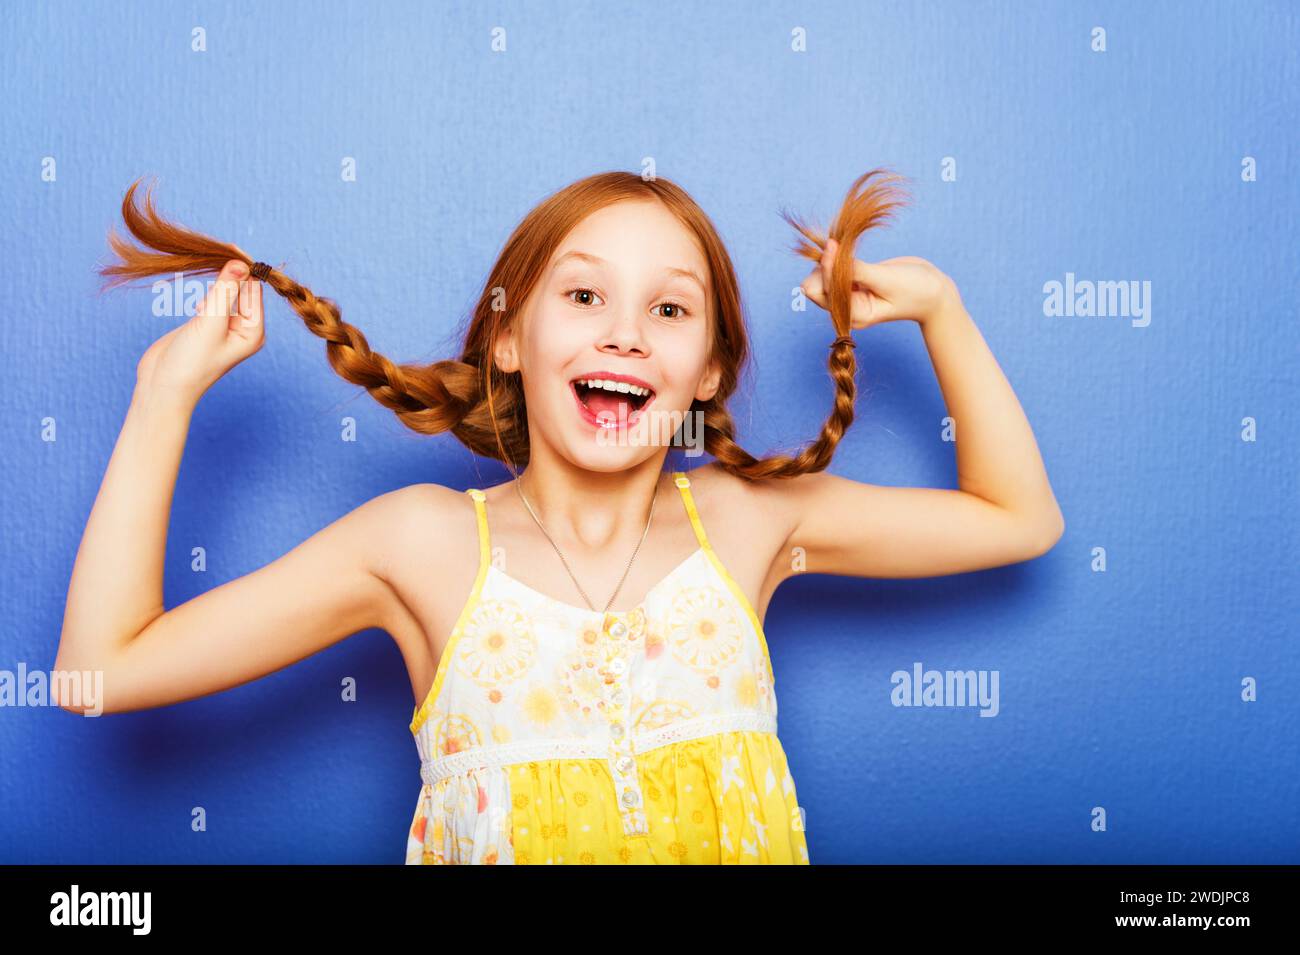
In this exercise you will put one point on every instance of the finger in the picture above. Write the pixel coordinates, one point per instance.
(246, 300)
(239, 310)
(250, 312)
(814, 288)
(870, 309)
(877, 277)
(828, 261)
(256, 296)
(866, 309)
(246, 332)
(215, 310)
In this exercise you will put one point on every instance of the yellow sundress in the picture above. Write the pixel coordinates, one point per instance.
(555, 734)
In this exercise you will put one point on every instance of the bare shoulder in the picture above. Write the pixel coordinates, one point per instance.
(421, 532)
(422, 521)
(416, 501)
(779, 500)
(407, 515)
(427, 532)
(767, 514)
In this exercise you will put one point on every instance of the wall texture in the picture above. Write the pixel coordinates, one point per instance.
(1162, 160)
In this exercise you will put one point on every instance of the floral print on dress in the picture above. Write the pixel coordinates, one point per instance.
(498, 646)
(704, 630)
(456, 733)
(664, 713)
(583, 685)
(647, 736)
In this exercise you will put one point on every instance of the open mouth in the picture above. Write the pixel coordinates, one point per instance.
(609, 404)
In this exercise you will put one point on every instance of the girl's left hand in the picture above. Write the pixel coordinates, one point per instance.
(903, 288)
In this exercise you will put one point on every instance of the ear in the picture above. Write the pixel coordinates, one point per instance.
(505, 351)
(709, 383)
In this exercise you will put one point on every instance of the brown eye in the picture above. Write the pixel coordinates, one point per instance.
(681, 310)
(581, 291)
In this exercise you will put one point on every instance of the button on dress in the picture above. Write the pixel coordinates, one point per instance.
(555, 734)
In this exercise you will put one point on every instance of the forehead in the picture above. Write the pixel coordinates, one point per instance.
(634, 235)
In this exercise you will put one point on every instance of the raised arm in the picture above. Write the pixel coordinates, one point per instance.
(115, 623)
(1004, 510)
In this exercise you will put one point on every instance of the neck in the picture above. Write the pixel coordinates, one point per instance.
(593, 510)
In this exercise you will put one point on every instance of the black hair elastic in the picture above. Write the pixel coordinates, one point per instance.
(260, 270)
(847, 339)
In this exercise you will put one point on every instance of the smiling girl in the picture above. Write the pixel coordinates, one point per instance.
(585, 644)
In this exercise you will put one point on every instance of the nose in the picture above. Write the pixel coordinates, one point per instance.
(626, 335)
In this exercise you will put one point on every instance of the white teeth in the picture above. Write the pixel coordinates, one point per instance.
(622, 386)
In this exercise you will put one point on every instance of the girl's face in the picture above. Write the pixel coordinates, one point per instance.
(624, 298)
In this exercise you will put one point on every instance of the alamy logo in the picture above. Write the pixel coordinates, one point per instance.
(102, 908)
(80, 688)
(924, 687)
(1127, 298)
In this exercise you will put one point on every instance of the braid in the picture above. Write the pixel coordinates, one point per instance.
(475, 400)
(447, 395)
(427, 398)
(862, 210)
(443, 396)
(719, 431)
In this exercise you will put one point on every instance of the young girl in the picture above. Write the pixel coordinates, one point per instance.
(585, 643)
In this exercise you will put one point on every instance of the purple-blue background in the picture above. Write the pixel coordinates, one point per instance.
(1119, 689)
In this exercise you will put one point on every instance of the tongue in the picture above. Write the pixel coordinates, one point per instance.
(608, 403)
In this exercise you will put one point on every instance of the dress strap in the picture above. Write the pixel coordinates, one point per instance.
(684, 486)
(484, 540)
(421, 714)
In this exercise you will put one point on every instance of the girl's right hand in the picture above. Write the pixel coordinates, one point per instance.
(225, 330)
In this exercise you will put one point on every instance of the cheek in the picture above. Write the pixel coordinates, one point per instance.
(548, 346)
(681, 366)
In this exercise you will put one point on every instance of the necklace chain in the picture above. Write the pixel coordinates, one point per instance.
(610, 603)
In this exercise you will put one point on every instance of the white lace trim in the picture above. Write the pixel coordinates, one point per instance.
(503, 754)
(525, 751)
(707, 725)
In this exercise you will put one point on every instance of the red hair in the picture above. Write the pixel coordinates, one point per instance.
(483, 406)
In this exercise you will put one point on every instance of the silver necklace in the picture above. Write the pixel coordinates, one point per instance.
(519, 488)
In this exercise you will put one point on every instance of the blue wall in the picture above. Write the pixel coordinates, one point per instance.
(1119, 690)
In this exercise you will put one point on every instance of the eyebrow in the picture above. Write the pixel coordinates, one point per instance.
(597, 260)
